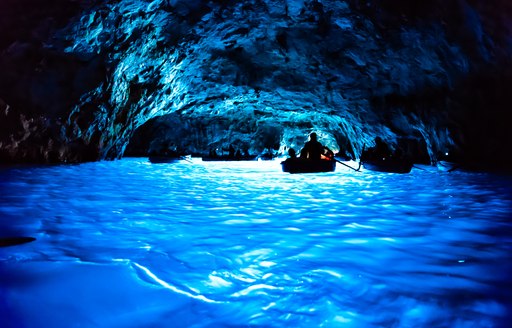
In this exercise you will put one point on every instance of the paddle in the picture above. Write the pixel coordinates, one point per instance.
(417, 167)
(350, 167)
(185, 158)
(331, 155)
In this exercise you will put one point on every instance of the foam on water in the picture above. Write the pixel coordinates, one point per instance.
(207, 244)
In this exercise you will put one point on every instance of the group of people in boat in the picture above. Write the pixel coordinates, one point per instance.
(313, 150)
(232, 154)
(314, 155)
(167, 150)
(314, 158)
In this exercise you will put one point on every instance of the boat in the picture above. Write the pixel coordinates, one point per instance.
(438, 166)
(228, 158)
(158, 159)
(388, 166)
(425, 167)
(447, 166)
(301, 165)
(266, 157)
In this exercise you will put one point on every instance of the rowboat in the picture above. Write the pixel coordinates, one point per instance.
(447, 166)
(228, 158)
(301, 165)
(159, 159)
(388, 166)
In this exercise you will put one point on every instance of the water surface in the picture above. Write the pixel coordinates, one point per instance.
(214, 244)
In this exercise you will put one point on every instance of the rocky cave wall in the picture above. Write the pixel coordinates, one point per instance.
(80, 77)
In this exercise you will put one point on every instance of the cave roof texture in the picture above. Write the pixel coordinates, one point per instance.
(94, 80)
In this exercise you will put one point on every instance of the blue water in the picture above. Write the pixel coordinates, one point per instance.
(204, 244)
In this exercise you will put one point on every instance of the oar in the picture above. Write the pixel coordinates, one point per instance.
(185, 158)
(419, 168)
(350, 167)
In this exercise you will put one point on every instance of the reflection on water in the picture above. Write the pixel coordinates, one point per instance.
(212, 244)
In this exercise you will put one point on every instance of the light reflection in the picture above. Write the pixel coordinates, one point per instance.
(330, 272)
(355, 241)
(258, 289)
(218, 282)
(170, 287)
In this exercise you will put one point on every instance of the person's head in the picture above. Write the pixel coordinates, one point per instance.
(312, 136)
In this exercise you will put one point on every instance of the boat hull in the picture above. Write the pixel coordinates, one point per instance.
(167, 159)
(388, 166)
(446, 166)
(298, 165)
(228, 158)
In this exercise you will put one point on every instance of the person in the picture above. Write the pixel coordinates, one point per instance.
(379, 152)
(381, 148)
(292, 153)
(231, 151)
(312, 149)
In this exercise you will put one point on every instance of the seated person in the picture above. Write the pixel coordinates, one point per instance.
(312, 149)
(379, 152)
(231, 151)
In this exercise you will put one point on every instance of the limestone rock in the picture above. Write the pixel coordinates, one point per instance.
(81, 77)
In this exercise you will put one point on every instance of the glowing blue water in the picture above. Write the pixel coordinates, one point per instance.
(205, 244)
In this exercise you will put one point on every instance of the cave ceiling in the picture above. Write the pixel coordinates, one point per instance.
(87, 80)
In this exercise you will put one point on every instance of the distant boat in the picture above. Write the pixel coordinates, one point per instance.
(388, 166)
(301, 165)
(229, 158)
(158, 159)
(447, 166)
(425, 167)
(439, 166)
(266, 157)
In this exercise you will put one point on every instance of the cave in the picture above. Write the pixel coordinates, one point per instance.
(91, 89)
(81, 79)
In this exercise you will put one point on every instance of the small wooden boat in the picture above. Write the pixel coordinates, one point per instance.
(447, 166)
(301, 165)
(438, 166)
(158, 159)
(229, 158)
(388, 166)
(266, 157)
(425, 167)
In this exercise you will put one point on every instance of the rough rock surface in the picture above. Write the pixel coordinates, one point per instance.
(80, 77)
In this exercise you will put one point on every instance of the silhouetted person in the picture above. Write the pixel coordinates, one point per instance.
(379, 152)
(381, 149)
(231, 151)
(292, 153)
(312, 149)
(170, 150)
